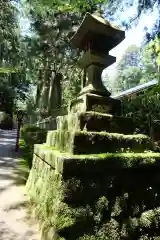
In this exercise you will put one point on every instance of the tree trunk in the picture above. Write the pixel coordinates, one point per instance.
(45, 88)
(39, 89)
(55, 95)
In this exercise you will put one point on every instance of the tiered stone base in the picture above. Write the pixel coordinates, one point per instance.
(105, 196)
(89, 185)
(95, 122)
(83, 142)
(97, 103)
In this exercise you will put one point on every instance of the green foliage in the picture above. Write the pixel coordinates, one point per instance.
(51, 59)
(135, 67)
(130, 57)
(128, 78)
(7, 70)
(24, 160)
(13, 83)
(6, 121)
(71, 87)
(149, 61)
(26, 152)
(32, 135)
(9, 44)
(145, 105)
(142, 108)
(154, 47)
(80, 5)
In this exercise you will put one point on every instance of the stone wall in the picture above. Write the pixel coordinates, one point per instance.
(110, 196)
(86, 184)
(48, 124)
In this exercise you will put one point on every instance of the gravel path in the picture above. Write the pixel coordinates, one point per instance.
(13, 224)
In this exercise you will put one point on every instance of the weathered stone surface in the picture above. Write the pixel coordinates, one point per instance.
(90, 58)
(90, 184)
(95, 122)
(96, 103)
(71, 194)
(86, 186)
(96, 37)
(98, 32)
(50, 141)
(83, 142)
(62, 162)
(94, 84)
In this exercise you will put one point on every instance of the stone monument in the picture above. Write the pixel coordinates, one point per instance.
(96, 37)
(85, 179)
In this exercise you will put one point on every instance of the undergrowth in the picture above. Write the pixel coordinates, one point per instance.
(24, 163)
(30, 135)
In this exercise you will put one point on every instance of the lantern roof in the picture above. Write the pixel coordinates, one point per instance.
(95, 27)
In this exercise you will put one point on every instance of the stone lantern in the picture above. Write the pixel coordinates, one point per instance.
(96, 37)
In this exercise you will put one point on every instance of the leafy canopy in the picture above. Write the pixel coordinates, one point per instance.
(72, 5)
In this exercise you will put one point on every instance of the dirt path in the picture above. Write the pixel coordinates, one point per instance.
(13, 224)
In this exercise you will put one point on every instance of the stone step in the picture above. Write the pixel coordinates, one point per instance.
(95, 122)
(72, 164)
(83, 142)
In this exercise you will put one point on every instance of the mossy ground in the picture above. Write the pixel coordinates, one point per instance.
(23, 160)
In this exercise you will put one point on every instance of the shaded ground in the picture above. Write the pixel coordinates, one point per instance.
(13, 223)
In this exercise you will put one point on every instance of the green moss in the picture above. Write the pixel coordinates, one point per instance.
(89, 197)
(93, 121)
(32, 134)
(98, 114)
(122, 155)
(96, 162)
(147, 154)
(103, 192)
(83, 142)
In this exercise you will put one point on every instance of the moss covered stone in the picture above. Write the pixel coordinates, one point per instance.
(83, 142)
(94, 121)
(90, 162)
(88, 197)
(93, 179)
(50, 140)
(91, 100)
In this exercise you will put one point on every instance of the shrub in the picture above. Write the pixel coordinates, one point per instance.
(26, 153)
(6, 121)
(32, 135)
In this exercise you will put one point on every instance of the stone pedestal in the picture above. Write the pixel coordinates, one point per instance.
(95, 103)
(95, 122)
